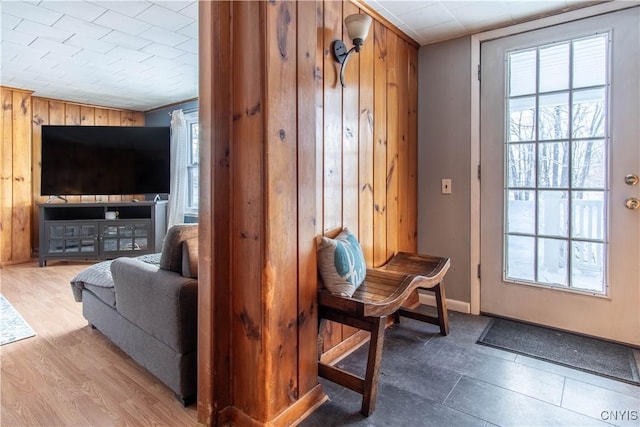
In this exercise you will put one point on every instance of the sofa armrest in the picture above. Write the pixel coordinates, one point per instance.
(161, 302)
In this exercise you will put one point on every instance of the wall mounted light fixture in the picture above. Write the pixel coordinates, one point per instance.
(357, 28)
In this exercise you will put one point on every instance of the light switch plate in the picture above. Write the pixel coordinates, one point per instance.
(446, 186)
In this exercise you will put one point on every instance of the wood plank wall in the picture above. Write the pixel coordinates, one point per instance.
(369, 141)
(257, 213)
(15, 176)
(22, 118)
(288, 154)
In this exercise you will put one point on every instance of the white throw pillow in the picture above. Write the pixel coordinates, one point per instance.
(341, 263)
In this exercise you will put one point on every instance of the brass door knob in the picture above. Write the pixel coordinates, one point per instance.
(631, 179)
(632, 203)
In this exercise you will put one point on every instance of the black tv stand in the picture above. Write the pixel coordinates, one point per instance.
(82, 231)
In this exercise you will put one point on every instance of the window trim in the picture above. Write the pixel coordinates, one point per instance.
(191, 117)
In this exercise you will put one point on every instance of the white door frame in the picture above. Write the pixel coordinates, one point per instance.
(474, 184)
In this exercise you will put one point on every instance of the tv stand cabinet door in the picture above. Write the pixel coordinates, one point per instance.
(125, 238)
(69, 239)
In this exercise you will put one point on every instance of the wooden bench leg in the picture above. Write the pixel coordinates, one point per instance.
(322, 324)
(442, 319)
(396, 317)
(441, 305)
(372, 375)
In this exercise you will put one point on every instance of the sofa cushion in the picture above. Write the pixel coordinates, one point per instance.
(97, 278)
(171, 258)
(106, 295)
(341, 263)
(190, 258)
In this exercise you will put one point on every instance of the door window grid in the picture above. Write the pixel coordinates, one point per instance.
(555, 156)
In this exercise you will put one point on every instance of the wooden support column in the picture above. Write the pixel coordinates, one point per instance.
(214, 216)
(257, 281)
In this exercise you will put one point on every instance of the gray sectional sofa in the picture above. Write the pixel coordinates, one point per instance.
(147, 306)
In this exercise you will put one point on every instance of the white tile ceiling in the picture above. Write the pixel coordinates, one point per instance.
(141, 55)
(135, 55)
(432, 21)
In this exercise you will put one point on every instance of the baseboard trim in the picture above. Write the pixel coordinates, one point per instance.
(452, 304)
(290, 416)
(301, 409)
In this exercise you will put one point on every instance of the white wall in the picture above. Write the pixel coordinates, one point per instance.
(444, 114)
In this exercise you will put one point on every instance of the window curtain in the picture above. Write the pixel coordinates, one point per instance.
(178, 187)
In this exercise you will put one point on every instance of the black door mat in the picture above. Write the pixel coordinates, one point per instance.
(587, 354)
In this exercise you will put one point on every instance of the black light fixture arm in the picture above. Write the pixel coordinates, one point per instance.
(341, 54)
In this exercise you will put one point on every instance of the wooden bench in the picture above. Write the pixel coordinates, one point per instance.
(382, 294)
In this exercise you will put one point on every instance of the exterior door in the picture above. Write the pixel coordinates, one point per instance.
(560, 240)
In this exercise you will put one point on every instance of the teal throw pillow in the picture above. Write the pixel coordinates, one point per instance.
(341, 263)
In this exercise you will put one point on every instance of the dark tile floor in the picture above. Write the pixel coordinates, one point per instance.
(430, 380)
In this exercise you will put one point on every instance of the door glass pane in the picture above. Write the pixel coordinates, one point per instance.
(588, 164)
(126, 231)
(590, 61)
(521, 211)
(88, 230)
(522, 165)
(587, 266)
(88, 245)
(552, 213)
(553, 165)
(140, 231)
(523, 78)
(552, 261)
(56, 231)
(126, 244)
(553, 120)
(71, 231)
(521, 258)
(556, 165)
(110, 245)
(587, 211)
(72, 245)
(588, 113)
(141, 244)
(56, 245)
(522, 119)
(554, 68)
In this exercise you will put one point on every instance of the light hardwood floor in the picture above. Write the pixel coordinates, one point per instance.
(70, 374)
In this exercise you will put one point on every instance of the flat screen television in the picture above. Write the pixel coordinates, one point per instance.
(105, 160)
